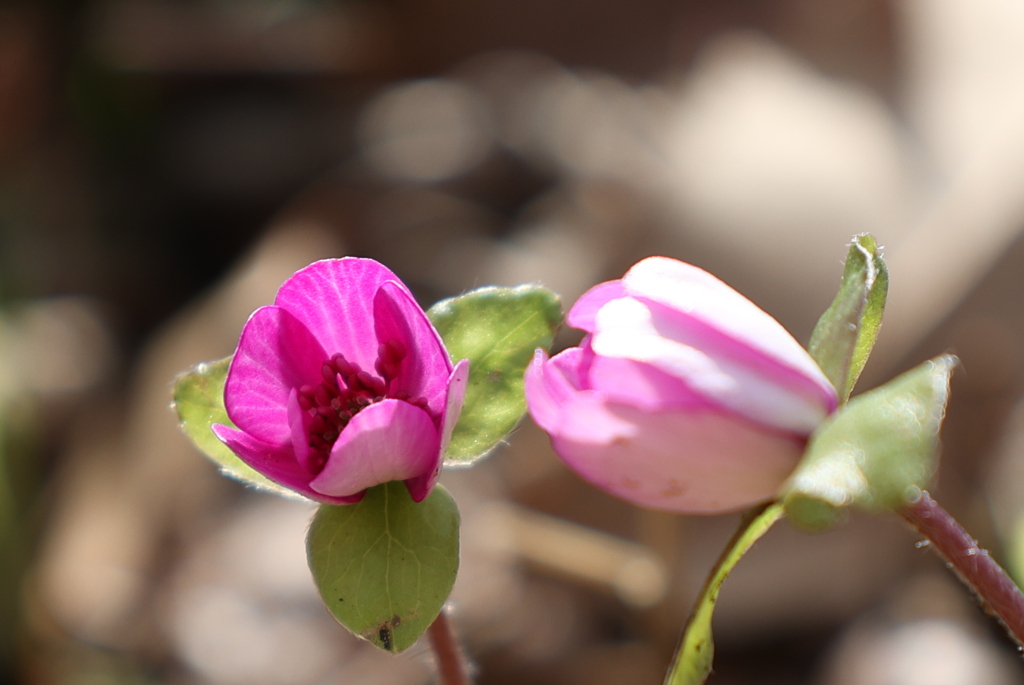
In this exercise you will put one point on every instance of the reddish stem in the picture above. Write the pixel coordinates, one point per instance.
(451, 663)
(998, 594)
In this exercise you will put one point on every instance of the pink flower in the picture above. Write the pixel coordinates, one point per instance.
(683, 396)
(342, 384)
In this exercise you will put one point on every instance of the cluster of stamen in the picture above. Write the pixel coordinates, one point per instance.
(346, 390)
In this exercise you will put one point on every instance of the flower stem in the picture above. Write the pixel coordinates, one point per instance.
(451, 663)
(999, 595)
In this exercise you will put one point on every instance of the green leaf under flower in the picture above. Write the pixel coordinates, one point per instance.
(692, 664)
(385, 566)
(199, 401)
(874, 453)
(846, 332)
(497, 329)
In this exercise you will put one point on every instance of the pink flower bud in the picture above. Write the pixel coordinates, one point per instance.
(683, 396)
(342, 384)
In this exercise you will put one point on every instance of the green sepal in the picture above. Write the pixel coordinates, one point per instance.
(693, 660)
(846, 332)
(497, 330)
(199, 401)
(875, 453)
(385, 566)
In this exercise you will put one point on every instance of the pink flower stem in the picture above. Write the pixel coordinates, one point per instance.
(999, 595)
(451, 663)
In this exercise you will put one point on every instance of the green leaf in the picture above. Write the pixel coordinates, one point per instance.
(199, 401)
(497, 329)
(697, 650)
(846, 332)
(385, 566)
(876, 452)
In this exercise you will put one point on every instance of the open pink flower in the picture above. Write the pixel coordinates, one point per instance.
(684, 396)
(342, 384)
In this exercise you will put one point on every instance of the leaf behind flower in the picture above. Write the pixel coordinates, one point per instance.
(199, 402)
(846, 332)
(874, 453)
(497, 329)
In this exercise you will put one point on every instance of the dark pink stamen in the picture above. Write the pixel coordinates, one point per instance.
(345, 390)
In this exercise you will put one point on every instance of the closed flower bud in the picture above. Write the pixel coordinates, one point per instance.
(683, 396)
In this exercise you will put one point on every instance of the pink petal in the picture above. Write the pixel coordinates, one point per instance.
(640, 385)
(389, 440)
(420, 486)
(298, 420)
(578, 369)
(724, 370)
(457, 384)
(334, 298)
(276, 354)
(807, 380)
(546, 386)
(275, 462)
(701, 462)
(581, 315)
(574, 364)
(703, 298)
(426, 367)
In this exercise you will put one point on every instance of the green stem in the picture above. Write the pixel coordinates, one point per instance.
(692, 663)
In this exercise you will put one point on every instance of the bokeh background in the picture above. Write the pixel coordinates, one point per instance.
(165, 164)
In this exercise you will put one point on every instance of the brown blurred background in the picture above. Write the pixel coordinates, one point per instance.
(165, 164)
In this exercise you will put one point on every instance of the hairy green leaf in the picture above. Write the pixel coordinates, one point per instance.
(497, 329)
(876, 452)
(385, 566)
(846, 332)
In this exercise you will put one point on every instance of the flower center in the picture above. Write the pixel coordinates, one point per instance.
(346, 390)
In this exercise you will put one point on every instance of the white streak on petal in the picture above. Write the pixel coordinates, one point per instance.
(628, 329)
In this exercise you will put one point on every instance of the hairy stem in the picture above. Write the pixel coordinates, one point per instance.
(451, 663)
(999, 595)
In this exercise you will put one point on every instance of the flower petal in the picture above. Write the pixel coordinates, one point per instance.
(723, 370)
(639, 384)
(334, 298)
(275, 462)
(276, 354)
(425, 370)
(573, 364)
(547, 389)
(457, 383)
(389, 440)
(420, 486)
(581, 315)
(298, 421)
(699, 462)
(623, 380)
(700, 297)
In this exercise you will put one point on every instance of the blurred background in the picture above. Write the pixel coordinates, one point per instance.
(166, 164)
